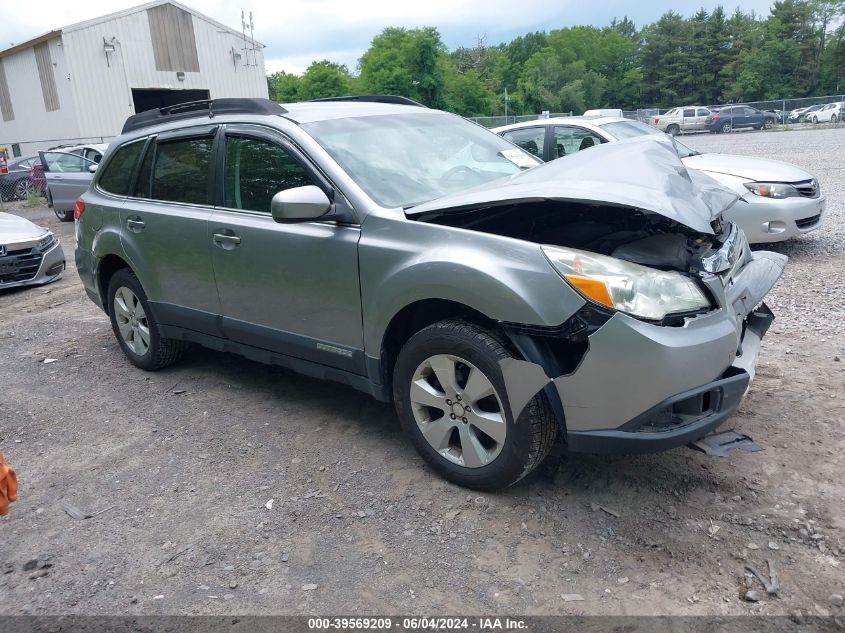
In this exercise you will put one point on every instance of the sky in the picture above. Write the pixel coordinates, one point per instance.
(297, 32)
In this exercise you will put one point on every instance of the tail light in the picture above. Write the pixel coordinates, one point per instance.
(656, 120)
(78, 209)
(715, 117)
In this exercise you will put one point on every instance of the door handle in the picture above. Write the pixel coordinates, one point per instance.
(135, 224)
(226, 241)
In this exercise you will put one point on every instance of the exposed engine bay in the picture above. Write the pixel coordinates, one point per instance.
(632, 235)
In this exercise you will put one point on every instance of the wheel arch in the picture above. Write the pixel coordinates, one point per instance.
(106, 268)
(416, 316)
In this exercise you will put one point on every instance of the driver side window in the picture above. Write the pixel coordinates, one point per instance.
(255, 171)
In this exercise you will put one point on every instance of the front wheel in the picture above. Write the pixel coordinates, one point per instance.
(135, 327)
(451, 398)
(726, 127)
(834, 119)
(814, 120)
(64, 216)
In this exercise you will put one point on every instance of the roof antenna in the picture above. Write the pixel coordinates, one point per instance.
(243, 31)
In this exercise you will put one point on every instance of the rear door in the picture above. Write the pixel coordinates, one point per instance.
(688, 119)
(291, 288)
(68, 177)
(568, 139)
(701, 115)
(164, 228)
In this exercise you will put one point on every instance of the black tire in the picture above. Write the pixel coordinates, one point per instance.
(528, 441)
(22, 189)
(162, 351)
(834, 119)
(673, 130)
(64, 216)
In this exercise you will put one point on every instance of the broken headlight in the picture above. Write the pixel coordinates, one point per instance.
(772, 189)
(46, 242)
(641, 291)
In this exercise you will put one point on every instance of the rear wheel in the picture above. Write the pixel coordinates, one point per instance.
(135, 327)
(726, 127)
(673, 130)
(451, 398)
(768, 124)
(23, 188)
(64, 216)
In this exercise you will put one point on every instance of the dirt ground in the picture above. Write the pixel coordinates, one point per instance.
(181, 466)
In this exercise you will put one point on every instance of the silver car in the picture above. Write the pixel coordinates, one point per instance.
(778, 201)
(30, 255)
(502, 305)
(68, 172)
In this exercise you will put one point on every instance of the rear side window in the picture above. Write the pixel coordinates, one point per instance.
(117, 175)
(257, 170)
(689, 112)
(530, 139)
(181, 171)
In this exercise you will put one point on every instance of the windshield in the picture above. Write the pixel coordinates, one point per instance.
(629, 129)
(402, 160)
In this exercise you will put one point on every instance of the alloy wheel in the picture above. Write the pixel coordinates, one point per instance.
(726, 127)
(458, 410)
(22, 189)
(131, 321)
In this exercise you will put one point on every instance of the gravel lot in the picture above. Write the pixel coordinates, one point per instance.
(182, 464)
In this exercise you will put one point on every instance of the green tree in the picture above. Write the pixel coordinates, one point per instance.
(324, 79)
(283, 87)
(405, 62)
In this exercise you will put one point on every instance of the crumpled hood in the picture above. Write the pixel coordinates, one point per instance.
(757, 169)
(14, 228)
(641, 173)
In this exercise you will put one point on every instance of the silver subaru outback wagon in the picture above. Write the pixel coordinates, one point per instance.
(503, 305)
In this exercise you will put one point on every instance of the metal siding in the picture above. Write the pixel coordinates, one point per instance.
(33, 127)
(5, 99)
(46, 75)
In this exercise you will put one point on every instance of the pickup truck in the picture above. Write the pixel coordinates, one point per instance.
(679, 120)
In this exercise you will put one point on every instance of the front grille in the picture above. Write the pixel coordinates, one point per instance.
(808, 188)
(806, 223)
(20, 265)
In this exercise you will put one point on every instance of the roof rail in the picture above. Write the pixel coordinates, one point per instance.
(191, 109)
(375, 99)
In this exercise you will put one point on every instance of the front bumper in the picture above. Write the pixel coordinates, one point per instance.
(686, 416)
(766, 220)
(25, 266)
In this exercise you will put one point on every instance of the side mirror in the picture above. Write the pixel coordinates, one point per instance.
(92, 168)
(300, 204)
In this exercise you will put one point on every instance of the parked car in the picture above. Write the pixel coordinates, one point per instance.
(781, 116)
(800, 114)
(29, 254)
(15, 185)
(68, 172)
(685, 119)
(829, 113)
(777, 202)
(500, 303)
(737, 117)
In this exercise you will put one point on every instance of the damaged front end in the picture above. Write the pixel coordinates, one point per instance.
(665, 346)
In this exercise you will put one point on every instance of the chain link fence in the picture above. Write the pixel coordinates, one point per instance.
(498, 121)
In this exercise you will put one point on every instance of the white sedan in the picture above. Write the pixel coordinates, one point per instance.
(29, 254)
(778, 201)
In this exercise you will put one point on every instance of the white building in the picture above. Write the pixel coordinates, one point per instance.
(78, 84)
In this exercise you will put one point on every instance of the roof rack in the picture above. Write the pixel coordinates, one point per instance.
(191, 109)
(396, 99)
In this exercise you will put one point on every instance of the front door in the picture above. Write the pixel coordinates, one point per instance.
(290, 288)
